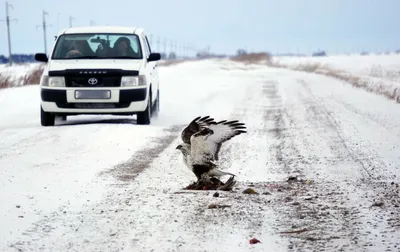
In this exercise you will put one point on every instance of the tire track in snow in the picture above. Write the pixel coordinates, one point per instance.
(314, 204)
(332, 205)
(308, 203)
(69, 223)
(376, 119)
(287, 159)
(290, 161)
(376, 185)
(249, 215)
(129, 170)
(286, 154)
(332, 125)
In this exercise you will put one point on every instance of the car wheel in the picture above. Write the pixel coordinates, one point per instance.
(144, 117)
(46, 118)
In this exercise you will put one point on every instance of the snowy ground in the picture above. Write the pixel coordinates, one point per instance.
(377, 73)
(101, 183)
(387, 66)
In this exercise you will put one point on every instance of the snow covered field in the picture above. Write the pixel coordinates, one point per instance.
(322, 155)
(377, 73)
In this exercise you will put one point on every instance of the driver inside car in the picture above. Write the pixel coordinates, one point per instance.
(80, 48)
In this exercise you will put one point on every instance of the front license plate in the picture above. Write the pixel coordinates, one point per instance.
(92, 94)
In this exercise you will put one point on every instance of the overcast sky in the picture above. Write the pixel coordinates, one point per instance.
(225, 25)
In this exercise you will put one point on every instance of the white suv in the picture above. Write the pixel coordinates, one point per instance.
(100, 70)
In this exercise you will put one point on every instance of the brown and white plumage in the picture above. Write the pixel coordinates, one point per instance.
(194, 126)
(202, 141)
(222, 132)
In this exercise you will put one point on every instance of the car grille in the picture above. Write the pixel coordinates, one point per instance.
(87, 81)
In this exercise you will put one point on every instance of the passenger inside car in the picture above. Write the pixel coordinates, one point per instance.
(122, 47)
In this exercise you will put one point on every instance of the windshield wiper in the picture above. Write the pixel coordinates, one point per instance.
(87, 57)
(124, 57)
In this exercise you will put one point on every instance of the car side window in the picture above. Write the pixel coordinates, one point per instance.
(148, 44)
(146, 47)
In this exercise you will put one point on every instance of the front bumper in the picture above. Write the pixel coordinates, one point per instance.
(122, 101)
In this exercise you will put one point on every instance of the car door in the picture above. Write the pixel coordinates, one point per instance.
(153, 70)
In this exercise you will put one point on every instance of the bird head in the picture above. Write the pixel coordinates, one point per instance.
(184, 148)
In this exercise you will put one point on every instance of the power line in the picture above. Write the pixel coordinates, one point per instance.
(8, 31)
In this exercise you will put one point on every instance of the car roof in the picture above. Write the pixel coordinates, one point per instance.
(103, 29)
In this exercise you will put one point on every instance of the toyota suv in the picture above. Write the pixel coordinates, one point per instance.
(99, 70)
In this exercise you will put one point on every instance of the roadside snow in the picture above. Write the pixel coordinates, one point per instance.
(17, 74)
(376, 73)
(384, 66)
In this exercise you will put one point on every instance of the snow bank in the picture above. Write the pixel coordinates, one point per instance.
(20, 74)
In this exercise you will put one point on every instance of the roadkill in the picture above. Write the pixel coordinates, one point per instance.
(212, 184)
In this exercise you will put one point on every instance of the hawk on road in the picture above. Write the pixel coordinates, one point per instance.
(202, 141)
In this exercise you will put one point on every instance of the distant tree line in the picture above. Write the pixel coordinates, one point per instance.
(18, 58)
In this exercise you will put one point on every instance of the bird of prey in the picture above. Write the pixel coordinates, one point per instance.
(202, 141)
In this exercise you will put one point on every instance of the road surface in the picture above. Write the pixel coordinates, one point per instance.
(322, 155)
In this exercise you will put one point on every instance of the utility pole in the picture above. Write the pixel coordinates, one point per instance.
(158, 44)
(151, 40)
(165, 46)
(176, 48)
(70, 21)
(58, 21)
(8, 31)
(44, 26)
(44, 31)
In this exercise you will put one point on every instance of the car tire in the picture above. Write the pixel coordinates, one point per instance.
(144, 118)
(46, 118)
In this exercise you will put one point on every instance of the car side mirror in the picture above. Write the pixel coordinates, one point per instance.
(42, 57)
(154, 57)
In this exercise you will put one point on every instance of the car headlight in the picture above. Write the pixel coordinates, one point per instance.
(133, 81)
(50, 81)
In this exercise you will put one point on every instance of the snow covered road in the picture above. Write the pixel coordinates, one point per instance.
(322, 155)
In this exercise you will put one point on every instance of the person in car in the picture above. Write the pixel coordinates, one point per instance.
(122, 47)
(80, 48)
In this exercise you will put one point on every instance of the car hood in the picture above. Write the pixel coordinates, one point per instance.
(58, 65)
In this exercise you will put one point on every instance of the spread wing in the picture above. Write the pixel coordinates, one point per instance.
(194, 126)
(222, 132)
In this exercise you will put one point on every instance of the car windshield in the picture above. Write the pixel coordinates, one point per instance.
(97, 46)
